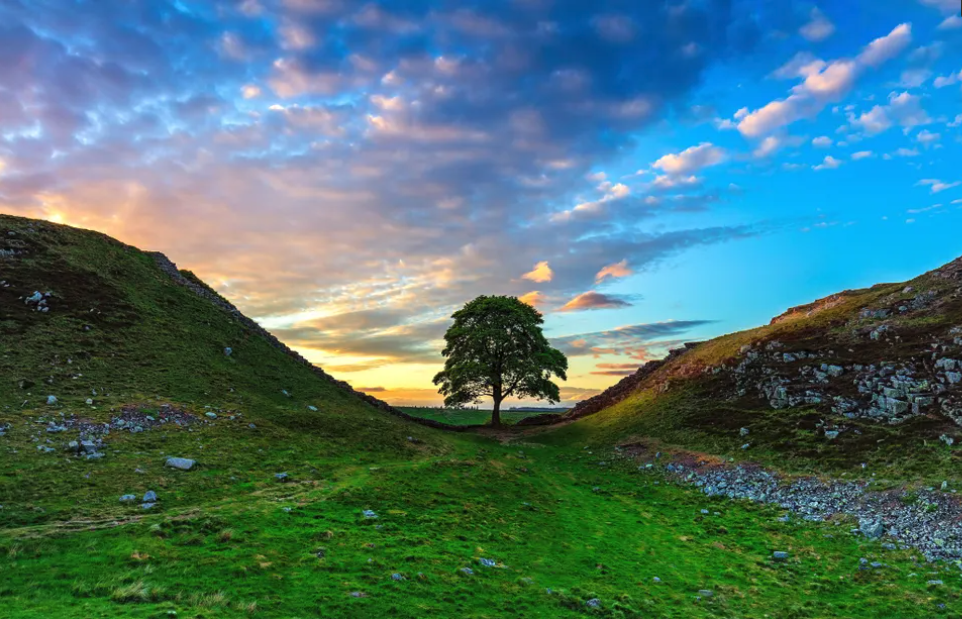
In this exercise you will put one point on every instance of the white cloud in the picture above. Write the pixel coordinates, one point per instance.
(768, 147)
(885, 48)
(936, 185)
(926, 137)
(250, 91)
(947, 80)
(823, 84)
(952, 22)
(914, 78)
(822, 142)
(675, 182)
(862, 154)
(874, 121)
(819, 28)
(829, 163)
(903, 109)
(957, 122)
(946, 6)
(742, 113)
(691, 159)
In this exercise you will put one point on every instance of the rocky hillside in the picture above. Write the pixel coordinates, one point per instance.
(889, 355)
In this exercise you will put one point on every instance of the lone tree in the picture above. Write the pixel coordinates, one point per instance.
(496, 348)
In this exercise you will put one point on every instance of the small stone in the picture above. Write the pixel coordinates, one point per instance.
(128, 498)
(871, 529)
(831, 434)
(593, 603)
(369, 514)
(656, 579)
(397, 577)
(147, 505)
(744, 432)
(51, 400)
(150, 497)
(746, 445)
(706, 593)
(934, 583)
(358, 594)
(280, 476)
(467, 570)
(211, 415)
(313, 409)
(89, 402)
(488, 562)
(780, 555)
(228, 350)
(184, 464)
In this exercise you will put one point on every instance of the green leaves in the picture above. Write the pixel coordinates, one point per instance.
(496, 348)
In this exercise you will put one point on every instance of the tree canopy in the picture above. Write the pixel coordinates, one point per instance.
(496, 349)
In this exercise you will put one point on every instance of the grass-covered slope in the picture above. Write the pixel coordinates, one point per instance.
(272, 519)
(880, 367)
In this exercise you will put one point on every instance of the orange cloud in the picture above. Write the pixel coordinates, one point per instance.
(593, 300)
(533, 298)
(618, 269)
(540, 273)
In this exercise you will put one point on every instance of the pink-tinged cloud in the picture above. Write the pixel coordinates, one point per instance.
(533, 298)
(540, 273)
(616, 270)
(594, 300)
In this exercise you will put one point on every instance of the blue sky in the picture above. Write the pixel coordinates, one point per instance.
(350, 173)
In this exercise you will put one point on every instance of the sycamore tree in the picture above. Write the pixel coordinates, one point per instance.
(496, 349)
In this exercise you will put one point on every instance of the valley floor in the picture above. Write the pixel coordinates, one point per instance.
(427, 525)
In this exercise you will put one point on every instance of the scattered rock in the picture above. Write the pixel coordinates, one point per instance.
(228, 351)
(593, 603)
(51, 400)
(128, 498)
(369, 514)
(150, 497)
(706, 593)
(780, 555)
(281, 476)
(744, 432)
(184, 464)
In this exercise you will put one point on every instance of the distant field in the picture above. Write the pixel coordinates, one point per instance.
(466, 417)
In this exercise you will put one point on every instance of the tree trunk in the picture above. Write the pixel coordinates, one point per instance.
(496, 414)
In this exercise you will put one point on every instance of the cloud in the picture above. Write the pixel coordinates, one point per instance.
(948, 80)
(768, 147)
(614, 271)
(413, 160)
(594, 300)
(533, 298)
(862, 154)
(903, 109)
(823, 83)
(946, 6)
(936, 185)
(952, 22)
(957, 122)
(819, 28)
(691, 160)
(822, 142)
(926, 137)
(667, 183)
(829, 163)
(540, 273)
(640, 342)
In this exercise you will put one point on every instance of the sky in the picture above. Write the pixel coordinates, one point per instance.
(349, 173)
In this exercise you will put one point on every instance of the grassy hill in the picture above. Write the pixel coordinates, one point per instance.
(307, 500)
(881, 368)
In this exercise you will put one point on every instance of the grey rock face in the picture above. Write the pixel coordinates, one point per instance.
(872, 529)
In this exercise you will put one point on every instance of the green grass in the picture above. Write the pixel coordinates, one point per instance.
(465, 416)
(229, 540)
